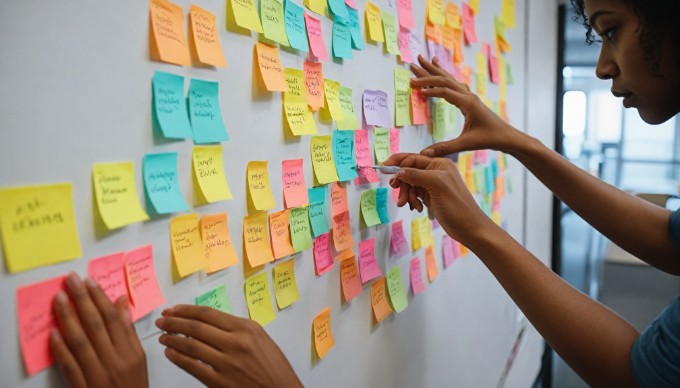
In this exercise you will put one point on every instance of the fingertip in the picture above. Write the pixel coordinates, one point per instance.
(55, 336)
(60, 299)
(160, 322)
(427, 152)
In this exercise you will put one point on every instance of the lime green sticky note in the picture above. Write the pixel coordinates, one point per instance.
(300, 229)
(369, 209)
(349, 121)
(216, 298)
(381, 144)
(390, 29)
(402, 97)
(271, 13)
(395, 287)
(445, 120)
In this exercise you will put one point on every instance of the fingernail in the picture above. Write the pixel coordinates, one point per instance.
(410, 206)
(61, 297)
(167, 311)
(428, 152)
(159, 322)
(161, 339)
(54, 334)
(74, 280)
(126, 316)
(90, 283)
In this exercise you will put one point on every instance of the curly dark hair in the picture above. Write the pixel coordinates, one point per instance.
(659, 19)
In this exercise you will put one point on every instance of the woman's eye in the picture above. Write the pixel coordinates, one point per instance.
(607, 35)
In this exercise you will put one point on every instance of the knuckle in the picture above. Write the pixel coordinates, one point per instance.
(110, 315)
(79, 344)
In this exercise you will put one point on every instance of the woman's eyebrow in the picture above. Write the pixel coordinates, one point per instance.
(593, 18)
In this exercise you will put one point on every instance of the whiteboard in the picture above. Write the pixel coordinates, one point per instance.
(76, 90)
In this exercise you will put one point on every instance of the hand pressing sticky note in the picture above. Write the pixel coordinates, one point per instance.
(342, 232)
(216, 298)
(355, 29)
(219, 250)
(332, 109)
(417, 284)
(298, 115)
(349, 121)
(169, 105)
(209, 173)
(206, 38)
(381, 144)
(390, 30)
(323, 335)
(285, 285)
(315, 36)
(405, 11)
(381, 204)
(376, 110)
(145, 293)
(300, 229)
(294, 187)
(245, 13)
(395, 288)
(205, 113)
(187, 247)
(431, 264)
(349, 278)
(168, 43)
(259, 190)
(323, 261)
(322, 160)
(369, 210)
(343, 155)
(368, 266)
(374, 23)
(273, 21)
(116, 194)
(38, 226)
(258, 299)
(270, 67)
(338, 199)
(314, 84)
(161, 185)
(364, 158)
(398, 243)
(256, 239)
(381, 307)
(109, 273)
(342, 37)
(279, 229)
(295, 26)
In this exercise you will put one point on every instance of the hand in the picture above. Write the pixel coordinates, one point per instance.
(222, 350)
(483, 129)
(98, 346)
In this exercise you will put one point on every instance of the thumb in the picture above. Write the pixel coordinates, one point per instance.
(447, 147)
(415, 177)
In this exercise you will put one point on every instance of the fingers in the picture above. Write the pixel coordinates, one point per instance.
(220, 320)
(448, 147)
(193, 328)
(191, 347)
(452, 96)
(67, 363)
(413, 199)
(117, 330)
(431, 68)
(408, 160)
(203, 372)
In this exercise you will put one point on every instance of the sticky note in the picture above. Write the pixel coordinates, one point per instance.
(205, 114)
(433, 32)
(298, 115)
(217, 245)
(273, 21)
(481, 74)
(374, 23)
(343, 155)
(435, 11)
(390, 30)
(294, 187)
(338, 199)
(395, 288)
(145, 293)
(300, 229)
(332, 108)
(376, 110)
(398, 243)
(245, 13)
(444, 119)
(109, 272)
(315, 36)
(350, 3)
(381, 204)
(169, 105)
(168, 43)
(342, 37)
(419, 107)
(469, 29)
(322, 160)
(270, 67)
(35, 322)
(394, 140)
(404, 42)
(450, 250)
(323, 335)
(368, 266)
(369, 210)
(349, 278)
(160, 183)
(259, 190)
(315, 84)
(381, 307)
(280, 234)
(317, 194)
(285, 284)
(216, 298)
(318, 6)
(349, 121)
(209, 173)
(256, 239)
(206, 38)
(187, 246)
(431, 265)
(417, 284)
(116, 194)
(508, 13)
(416, 238)
(323, 261)
(318, 218)
(38, 226)
(364, 158)
(338, 8)
(355, 29)
(342, 233)
(405, 11)
(258, 299)
(381, 144)
(295, 26)
(416, 46)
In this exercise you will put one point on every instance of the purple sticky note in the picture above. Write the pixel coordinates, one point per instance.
(368, 266)
(376, 108)
(398, 243)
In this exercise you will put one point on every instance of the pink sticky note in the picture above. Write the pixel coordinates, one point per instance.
(349, 278)
(350, 3)
(493, 64)
(469, 24)
(417, 284)
(368, 266)
(458, 73)
(36, 321)
(109, 272)
(443, 54)
(394, 140)
(376, 109)
(419, 107)
(323, 261)
(294, 187)
(404, 40)
(364, 158)
(405, 10)
(447, 251)
(398, 243)
(315, 36)
(145, 293)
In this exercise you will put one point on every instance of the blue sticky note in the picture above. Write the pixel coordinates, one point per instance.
(342, 38)
(490, 184)
(205, 114)
(318, 219)
(169, 107)
(343, 155)
(317, 194)
(339, 8)
(381, 204)
(355, 29)
(160, 183)
(295, 26)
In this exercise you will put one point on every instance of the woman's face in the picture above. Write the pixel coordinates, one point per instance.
(622, 59)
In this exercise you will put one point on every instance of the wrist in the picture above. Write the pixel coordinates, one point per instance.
(483, 236)
(523, 145)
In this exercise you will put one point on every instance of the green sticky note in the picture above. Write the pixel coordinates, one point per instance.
(300, 230)
(271, 14)
(369, 209)
(381, 144)
(395, 287)
(205, 114)
(445, 119)
(161, 185)
(295, 26)
(508, 73)
(355, 29)
(339, 8)
(343, 155)
(381, 200)
(342, 38)
(349, 121)
(216, 298)
(169, 105)
(480, 181)
(390, 29)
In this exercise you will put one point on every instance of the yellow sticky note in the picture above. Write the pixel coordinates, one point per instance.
(481, 73)
(298, 114)
(374, 23)
(116, 194)
(318, 6)
(503, 81)
(322, 160)
(168, 43)
(38, 226)
(279, 231)
(209, 173)
(219, 250)
(435, 12)
(323, 335)
(186, 243)
(285, 285)
(332, 108)
(206, 39)
(508, 13)
(258, 299)
(474, 5)
(256, 239)
(270, 67)
(245, 13)
(259, 191)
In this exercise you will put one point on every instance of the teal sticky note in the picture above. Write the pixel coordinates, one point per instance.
(369, 210)
(339, 8)
(395, 288)
(343, 155)
(355, 29)
(295, 26)
(381, 201)
(494, 168)
(318, 218)
(169, 106)
(160, 183)
(342, 38)
(490, 184)
(317, 194)
(205, 113)
(216, 298)
(300, 230)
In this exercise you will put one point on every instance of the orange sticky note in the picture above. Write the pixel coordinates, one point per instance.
(256, 239)
(349, 278)
(219, 250)
(205, 36)
(431, 264)
(381, 307)
(270, 67)
(109, 273)
(280, 234)
(294, 187)
(187, 247)
(143, 288)
(260, 193)
(168, 43)
(315, 85)
(338, 199)
(35, 322)
(323, 335)
(342, 233)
